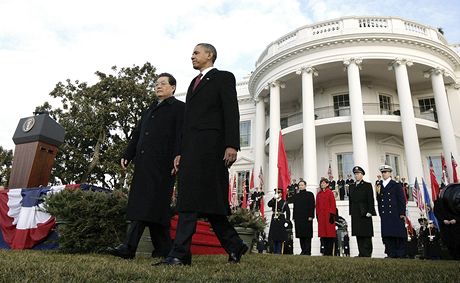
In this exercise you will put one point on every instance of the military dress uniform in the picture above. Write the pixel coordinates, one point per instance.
(361, 210)
(391, 206)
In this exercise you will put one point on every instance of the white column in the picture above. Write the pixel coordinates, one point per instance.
(358, 129)
(259, 139)
(446, 128)
(275, 128)
(309, 129)
(410, 137)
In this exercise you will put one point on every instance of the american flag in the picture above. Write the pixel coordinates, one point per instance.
(261, 178)
(445, 175)
(417, 194)
(329, 172)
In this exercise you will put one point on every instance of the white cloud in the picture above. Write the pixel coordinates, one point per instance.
(44, 42)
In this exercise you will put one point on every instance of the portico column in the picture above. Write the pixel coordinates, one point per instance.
(309, 130)
(410, 136)
(259, 139)
(446, 128)
(358, 129)
(275, 128)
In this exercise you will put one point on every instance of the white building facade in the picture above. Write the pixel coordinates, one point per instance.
(352, 91)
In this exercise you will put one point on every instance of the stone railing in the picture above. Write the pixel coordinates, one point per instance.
(368, 109)
(350, 26)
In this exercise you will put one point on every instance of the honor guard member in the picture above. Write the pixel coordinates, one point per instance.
(361, 210)
(279, 222)
(392, 210)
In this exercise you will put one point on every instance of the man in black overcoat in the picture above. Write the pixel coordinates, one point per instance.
(152, 148)
(449, 222)
(392, 211)
(361, 210)
(303, 214)
(210, 142)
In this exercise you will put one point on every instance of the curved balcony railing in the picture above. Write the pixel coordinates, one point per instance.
(351, 25)
(368, 109)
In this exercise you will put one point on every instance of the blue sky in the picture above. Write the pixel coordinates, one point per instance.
(44, 42)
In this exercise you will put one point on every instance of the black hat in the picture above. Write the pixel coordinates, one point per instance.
(358, 169)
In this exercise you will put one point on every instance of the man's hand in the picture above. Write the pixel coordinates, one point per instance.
(230, 156)
(124, 163)
(176, 163)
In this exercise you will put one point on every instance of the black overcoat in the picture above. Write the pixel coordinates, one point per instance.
(304, 207)
(391, 205)
(153, 146)
(361, 202)
(211, 124)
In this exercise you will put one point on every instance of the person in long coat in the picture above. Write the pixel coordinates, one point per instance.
(392, 211)
(361, 204)
(303, 214)
(325, 213)
(279, 221)
(210, 141)
(449, 221)
(152, 148)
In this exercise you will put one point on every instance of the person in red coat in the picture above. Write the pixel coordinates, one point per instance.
(325, 212)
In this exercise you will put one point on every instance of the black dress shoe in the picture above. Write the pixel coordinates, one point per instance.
(236, 257)
(172, 261)
(121, 251)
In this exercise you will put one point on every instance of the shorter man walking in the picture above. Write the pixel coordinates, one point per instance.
(361, 210)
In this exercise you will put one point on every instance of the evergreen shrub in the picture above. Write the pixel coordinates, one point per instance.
(88, 221)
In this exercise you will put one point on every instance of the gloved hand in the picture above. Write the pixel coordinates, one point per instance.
(368, 214)
(331, 218)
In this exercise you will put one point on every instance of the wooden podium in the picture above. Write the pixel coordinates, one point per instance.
(36, 139)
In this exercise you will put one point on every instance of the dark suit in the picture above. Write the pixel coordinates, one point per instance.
(211, 124)
(304, 207)
(362, 202)
(391, 205)
(153, 146)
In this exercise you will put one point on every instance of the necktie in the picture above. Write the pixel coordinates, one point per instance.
(197, 81)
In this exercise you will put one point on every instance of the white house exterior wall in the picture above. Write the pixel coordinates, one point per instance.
(376, 43)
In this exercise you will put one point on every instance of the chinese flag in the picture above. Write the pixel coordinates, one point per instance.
(283, 168)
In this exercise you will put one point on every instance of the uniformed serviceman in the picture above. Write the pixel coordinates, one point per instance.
(392, 210)
(361, 210)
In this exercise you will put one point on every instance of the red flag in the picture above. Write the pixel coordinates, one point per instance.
(454, 169)
(251, 181)
(244, 202)
(445, 175)
(262, 207)
(230, 191)
(283, 168)
(434, 182)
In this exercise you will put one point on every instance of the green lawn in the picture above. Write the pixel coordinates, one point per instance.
(49, 266)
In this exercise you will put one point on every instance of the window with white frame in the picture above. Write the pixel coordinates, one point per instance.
(385, 104)
(245, 133)
(345, 164)
(393, 161)
(341, 105)
(437, 166)
(428, 109)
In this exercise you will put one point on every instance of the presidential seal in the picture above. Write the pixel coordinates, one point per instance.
(28, 124)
